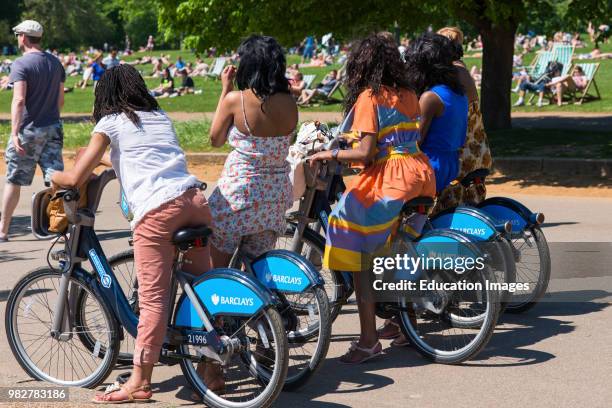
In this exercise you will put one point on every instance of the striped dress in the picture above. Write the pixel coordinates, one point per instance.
(368, 211)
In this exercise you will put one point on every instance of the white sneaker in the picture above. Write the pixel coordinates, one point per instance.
(540, 104)
(520, 102)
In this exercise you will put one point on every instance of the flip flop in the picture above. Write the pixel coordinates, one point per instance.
(374, 351)
(114, 387)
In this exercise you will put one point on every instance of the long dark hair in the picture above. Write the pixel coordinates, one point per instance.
(373, 62)
(121, 89)
(429, 62)
(262, 67)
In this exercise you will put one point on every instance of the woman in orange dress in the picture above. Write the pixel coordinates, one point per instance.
(382, 123)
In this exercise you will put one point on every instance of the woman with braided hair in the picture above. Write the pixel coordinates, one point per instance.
(163, 197)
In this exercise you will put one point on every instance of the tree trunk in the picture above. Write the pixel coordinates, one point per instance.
(497, 53)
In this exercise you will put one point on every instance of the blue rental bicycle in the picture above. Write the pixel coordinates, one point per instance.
(303, 304)
(430, 321)
(65, 325)
(528, 244)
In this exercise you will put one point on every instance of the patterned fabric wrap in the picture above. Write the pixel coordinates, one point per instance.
(474, 155)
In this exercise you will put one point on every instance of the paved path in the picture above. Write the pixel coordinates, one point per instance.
(558, 354)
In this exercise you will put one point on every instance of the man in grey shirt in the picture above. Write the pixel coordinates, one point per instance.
(36, 131)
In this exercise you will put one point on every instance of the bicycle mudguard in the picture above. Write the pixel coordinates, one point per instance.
(285, 271)
(470, 220)
(224, 291)
(504, 209)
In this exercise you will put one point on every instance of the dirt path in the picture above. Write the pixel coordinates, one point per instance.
(575, 120)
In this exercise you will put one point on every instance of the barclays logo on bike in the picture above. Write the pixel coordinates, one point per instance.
(472, 231)
(105, 278)
(231, 300)
(282, 274)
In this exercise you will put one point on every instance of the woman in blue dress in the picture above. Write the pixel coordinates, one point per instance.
(443, 103)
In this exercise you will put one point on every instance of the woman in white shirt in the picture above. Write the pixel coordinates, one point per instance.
(162, 196)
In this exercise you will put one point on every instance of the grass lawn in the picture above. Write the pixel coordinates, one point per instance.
(193, 136)
(80, 101)
(603, 79)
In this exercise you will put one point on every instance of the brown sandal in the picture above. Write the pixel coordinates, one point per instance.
(370, 353)
(400, 341)
(119, 387)
(389, 330)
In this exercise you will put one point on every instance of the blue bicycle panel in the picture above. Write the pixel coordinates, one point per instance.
(285, 271)
(467, 221)
(444, 249)
(227, 295)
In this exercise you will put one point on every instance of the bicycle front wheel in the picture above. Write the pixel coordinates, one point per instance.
(63, 360)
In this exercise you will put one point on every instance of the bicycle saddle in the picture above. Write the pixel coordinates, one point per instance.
(190, 237)
(418, 203)
(476, 176)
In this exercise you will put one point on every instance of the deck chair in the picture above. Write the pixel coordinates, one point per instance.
(308, 80)
(563, 53)
(590, 69)
(330, 96)
(217, 68)
(538, 67)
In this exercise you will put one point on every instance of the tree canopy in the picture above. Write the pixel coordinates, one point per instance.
(222, 23)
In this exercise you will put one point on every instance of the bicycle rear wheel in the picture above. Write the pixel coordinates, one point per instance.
(255, 375)
(65, 361)
(313, 250)
(533, 267)
(435, 336)
(309, 337)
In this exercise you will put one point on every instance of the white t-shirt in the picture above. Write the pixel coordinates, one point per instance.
(148, 160)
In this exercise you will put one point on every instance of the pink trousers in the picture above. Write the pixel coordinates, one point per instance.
(154, 255)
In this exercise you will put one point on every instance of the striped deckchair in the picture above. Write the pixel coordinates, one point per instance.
(308, 80)
(538, 67)
(563, 53)
(217, 68)
(590, 69)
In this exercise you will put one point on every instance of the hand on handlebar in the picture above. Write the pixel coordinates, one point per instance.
(320, 156)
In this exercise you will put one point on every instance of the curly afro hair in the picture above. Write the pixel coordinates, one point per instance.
(373, 62)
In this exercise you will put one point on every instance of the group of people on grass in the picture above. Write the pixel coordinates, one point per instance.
(413, 126)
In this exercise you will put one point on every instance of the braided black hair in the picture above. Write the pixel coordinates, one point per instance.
(373, 62)
(429, 62)
(262, 67)
(121, 89)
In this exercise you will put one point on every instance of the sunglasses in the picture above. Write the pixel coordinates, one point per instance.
(18, 34)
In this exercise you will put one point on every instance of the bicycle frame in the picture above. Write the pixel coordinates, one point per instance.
(84, 245)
